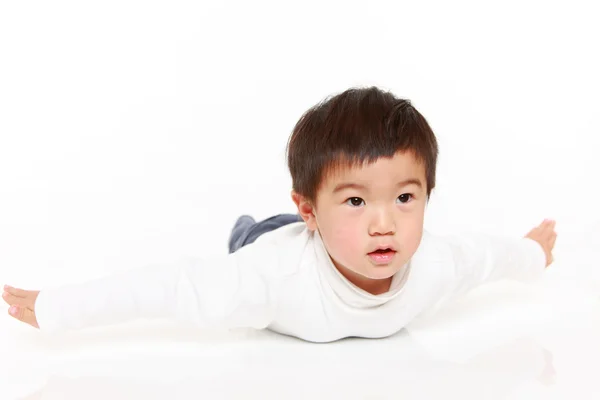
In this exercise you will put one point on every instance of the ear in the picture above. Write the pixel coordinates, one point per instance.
(306, 210)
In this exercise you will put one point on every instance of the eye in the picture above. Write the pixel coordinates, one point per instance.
(405, 197)
(355, 201)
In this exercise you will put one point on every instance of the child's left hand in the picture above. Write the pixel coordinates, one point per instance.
(22, 304)
(545, 235)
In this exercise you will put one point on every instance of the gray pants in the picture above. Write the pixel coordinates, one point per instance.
(246, 230)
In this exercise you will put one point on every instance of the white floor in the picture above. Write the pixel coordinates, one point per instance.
(503, 341)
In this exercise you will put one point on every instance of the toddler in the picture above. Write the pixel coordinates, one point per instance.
(354, 261)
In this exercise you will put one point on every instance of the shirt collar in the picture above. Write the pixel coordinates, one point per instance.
(348, 292)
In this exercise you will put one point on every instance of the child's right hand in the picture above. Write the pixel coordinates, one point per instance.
(22, 304)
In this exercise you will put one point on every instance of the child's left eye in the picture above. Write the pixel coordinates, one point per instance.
(405, 197)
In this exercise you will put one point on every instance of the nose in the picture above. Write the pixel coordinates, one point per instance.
(382, 223)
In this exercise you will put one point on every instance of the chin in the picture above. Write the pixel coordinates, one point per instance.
(385, 272)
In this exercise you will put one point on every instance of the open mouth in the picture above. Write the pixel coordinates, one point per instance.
(382, 256)
(382, 251)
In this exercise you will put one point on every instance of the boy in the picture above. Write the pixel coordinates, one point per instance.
(354, 262)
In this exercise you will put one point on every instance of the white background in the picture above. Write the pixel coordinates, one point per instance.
(137, 132)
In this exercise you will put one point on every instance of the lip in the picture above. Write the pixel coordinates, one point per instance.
(385, 258)
(384, 247)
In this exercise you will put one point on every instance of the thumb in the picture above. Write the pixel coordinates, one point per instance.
(23, 314)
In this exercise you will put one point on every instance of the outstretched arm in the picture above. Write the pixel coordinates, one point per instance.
(238, 290)
(484, 258)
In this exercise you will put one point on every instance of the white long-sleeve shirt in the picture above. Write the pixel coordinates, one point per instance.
(286, 282)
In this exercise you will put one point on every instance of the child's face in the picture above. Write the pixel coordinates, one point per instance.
(388, 210)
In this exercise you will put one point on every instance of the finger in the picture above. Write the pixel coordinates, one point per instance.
(15, 291)
(549, 224)
(23, 314)
(534, 231)
(11, 300)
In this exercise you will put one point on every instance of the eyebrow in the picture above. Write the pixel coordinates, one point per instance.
(347, 185)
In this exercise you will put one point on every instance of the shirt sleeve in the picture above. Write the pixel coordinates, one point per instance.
(483, 258)
(237, 290)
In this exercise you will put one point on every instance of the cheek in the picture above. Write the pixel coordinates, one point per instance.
(343, 239)
(411, 236)
(347, 238)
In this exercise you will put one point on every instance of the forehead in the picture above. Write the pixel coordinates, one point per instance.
(385, 171)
